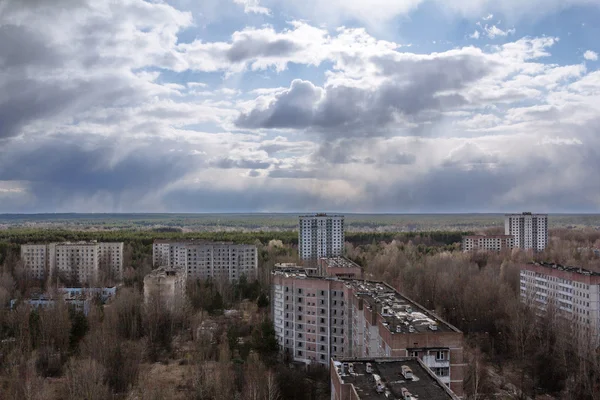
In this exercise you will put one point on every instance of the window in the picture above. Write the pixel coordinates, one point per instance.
(440, 355)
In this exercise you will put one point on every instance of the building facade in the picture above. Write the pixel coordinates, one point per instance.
(489, 243)
(203, 260)
(167, 285)
(319, 236)
(318, 318)
(574, 292)
(406, 378)
(36, 260)
(84, 262)
(529, 230)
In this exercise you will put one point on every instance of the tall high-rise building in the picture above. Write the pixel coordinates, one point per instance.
(529, 230)
(202, 259)
(319, 318)
(319, 236)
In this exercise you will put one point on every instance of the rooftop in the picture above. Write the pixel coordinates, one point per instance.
(339, 262)
(321, 215)
(162, 272)
(400, 314)
(188, 241)
(489, 237)
(576, 270)
(525, 213)
(423, 385)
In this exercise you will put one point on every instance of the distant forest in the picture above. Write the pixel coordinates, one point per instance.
(276, 222)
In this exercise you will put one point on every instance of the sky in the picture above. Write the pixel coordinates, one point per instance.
(404, 106)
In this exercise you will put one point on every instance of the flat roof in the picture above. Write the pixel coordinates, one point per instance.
(339, 262)
(489, 237)
(424, 384)
(526, 214)
(398, 311)
(558, 267)
(321, 215)
(165, 272)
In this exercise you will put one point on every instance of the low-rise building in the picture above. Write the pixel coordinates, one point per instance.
(168, 285)
(405, 378)
(89, 293)
(489, 243)
(574, 292)
(203, 260)
(318, 318)
(42, 302)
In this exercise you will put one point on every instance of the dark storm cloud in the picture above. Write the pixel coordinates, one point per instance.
(254, 198)
(24, 100)
(59, 170)
(352, 150)
(19, 47)
(400, 159)
(413, 87)
(251, 48)
(295, 173)
(469, 186)
(227, 163)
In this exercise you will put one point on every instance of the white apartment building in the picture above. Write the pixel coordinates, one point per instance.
(84, 262)
(575, 292)
(489, 243)
(319, 236)
(36, 261)
(203, 260)
(529, 230)
(318, 318)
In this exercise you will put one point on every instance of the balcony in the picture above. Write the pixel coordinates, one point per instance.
(431, 362)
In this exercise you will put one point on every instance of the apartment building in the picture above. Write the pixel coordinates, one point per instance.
(84, 262)
(168, 285)
(529, 230)
(36, 261)
(489, 243)
(319, 236)
(203, 260)
(318, 318)
(406, 378)
(575, 292)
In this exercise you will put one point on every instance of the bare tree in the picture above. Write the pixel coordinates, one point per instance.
(85, 380)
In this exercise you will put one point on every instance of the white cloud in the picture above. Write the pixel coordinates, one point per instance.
(475, 35)
(377, 14)
(91, 120)
(493, 31)
(253, 6)
(590, 55)
(488, 17)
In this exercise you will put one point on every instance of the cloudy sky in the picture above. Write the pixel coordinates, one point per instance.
(286, 105)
